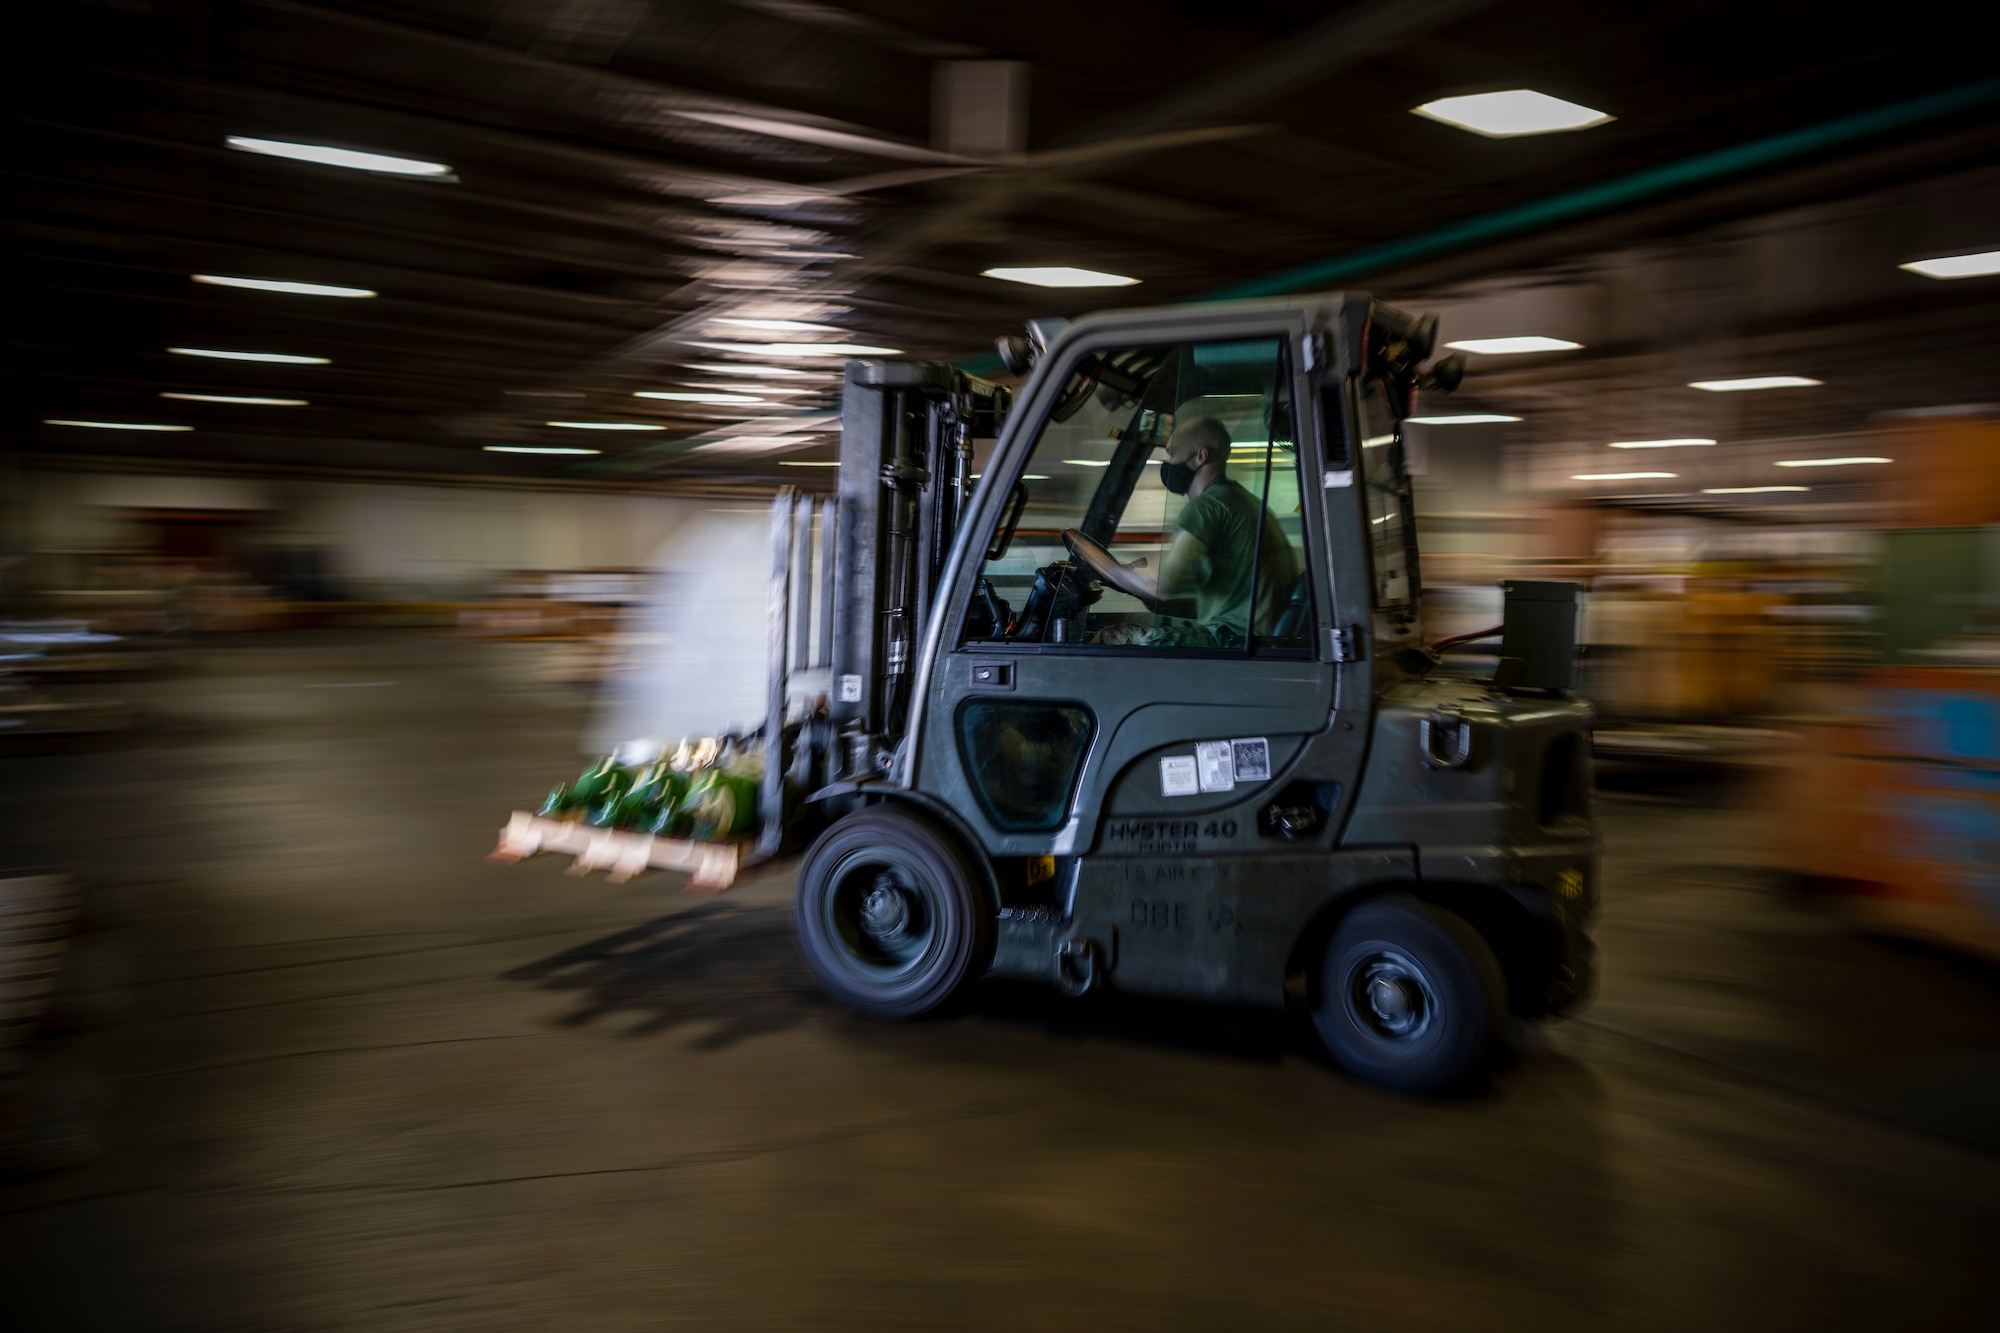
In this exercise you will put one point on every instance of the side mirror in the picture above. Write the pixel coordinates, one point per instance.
(1017, 354)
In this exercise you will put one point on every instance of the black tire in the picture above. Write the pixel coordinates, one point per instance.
(890, 915)
(1410, 996)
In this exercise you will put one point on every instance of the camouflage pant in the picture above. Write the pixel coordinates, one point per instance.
(1184, 634)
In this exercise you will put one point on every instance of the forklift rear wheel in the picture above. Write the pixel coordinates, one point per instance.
(889, 914)
(1410, 996)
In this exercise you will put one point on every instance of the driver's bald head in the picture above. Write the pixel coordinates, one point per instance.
(1202, 433)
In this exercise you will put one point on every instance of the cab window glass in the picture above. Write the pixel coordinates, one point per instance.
(1160, 509)
(1023, 756)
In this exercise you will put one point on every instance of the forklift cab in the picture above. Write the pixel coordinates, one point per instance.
(1066, 717)
(1173, 794)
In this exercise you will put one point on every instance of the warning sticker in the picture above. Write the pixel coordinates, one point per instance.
(1177, 776)
(1218, 767)
(1252, 759)
(850, 689)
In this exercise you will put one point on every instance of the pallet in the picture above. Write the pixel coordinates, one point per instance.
(621, 855)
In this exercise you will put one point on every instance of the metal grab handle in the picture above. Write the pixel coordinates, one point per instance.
(1427, 739)
(1076, 967)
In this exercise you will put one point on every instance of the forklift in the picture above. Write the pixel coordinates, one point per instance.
(1041, 758)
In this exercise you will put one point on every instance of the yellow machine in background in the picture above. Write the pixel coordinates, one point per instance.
(1711, 664)
(1890, 808)
(1694, 648)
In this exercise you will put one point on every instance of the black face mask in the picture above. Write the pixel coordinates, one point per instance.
(1176, 477)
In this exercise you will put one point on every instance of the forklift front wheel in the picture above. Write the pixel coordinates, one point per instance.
(889, 915)
(1410, 996)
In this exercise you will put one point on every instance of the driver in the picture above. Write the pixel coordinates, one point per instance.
(1212, 555)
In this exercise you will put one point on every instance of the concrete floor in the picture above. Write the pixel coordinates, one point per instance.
(346, 1074)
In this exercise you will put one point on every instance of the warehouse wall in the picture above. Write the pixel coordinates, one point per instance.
(371, 539)
(434, 537)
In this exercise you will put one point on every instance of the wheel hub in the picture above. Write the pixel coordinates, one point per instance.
(1391, 997)
(881, 913)
(1392, 1000)
(885, 912)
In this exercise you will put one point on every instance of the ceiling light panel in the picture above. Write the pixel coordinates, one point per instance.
(1513, 346)
(1831, 462)
(1983, 265)
(1462, 419)
(113, 425)
(677, 396)
(288, 288)
(279, 359)
(767, 372)
(605, 425)
(535, 449)
(1510, 114)
(802, 349)
(381, 163)
(1621, 476)
(1687, 442)
(235, 398)
(1750, 490)
(276, 358)
(754, 444)
(1059, 276)
(779, 325)
(1752, 383)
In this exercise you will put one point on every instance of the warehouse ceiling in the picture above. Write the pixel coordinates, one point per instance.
(617, 185)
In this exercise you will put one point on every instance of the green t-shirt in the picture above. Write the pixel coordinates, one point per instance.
(1225, 518)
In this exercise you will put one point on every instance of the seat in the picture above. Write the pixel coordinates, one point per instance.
(1290, 626)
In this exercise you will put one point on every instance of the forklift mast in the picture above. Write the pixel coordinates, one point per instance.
(906, 464)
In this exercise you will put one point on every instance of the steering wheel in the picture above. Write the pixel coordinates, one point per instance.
(1089, 553)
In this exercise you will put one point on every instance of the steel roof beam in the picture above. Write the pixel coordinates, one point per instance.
(681, 99)
(428, 241)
